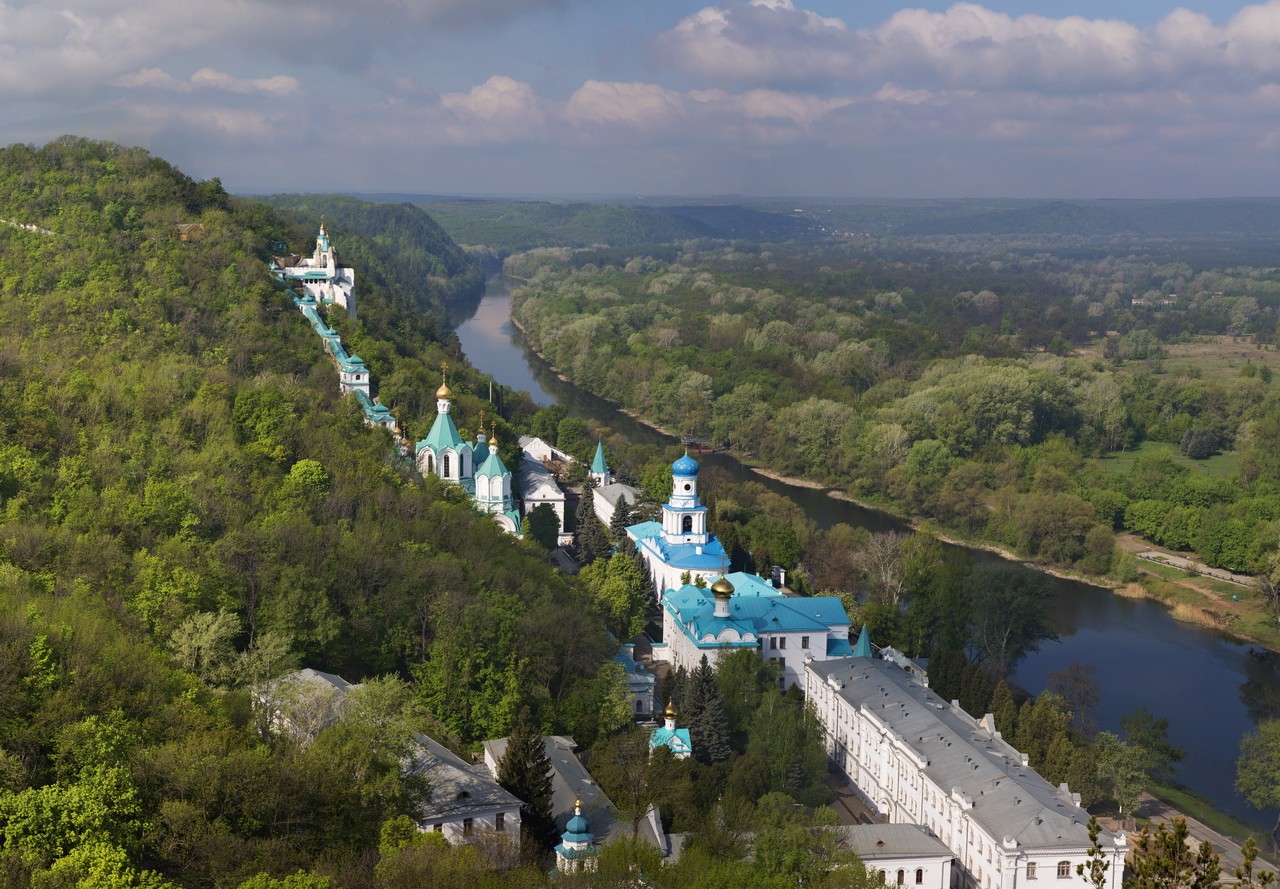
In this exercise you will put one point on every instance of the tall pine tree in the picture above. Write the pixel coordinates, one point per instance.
(592, 541)
(705, 716)
(525, 772)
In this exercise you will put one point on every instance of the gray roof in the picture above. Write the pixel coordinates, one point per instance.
(611, 493)
(571, 782)
(457, 787)
(1009, 800)
(536, 481)
(875, 841)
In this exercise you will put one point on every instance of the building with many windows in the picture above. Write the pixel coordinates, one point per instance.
(744, 611)
(921, 760)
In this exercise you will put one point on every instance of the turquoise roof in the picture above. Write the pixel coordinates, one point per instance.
(443, 435)
(684, 556)
(685, 467)
(863, 648)
(493, 466)
(676, 739)
(577, 825)
(591, 851)
(597, 462)
(838, 648)
(756, 610)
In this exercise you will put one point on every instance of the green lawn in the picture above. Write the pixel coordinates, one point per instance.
(1225, 464)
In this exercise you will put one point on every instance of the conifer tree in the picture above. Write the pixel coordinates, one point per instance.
(1004, 710)
(622, 519)
(705, 714)
(525, 772)
(592, 542)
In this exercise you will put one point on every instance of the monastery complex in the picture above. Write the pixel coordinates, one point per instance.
(963, 809)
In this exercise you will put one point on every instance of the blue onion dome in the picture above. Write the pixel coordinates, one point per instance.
(685, 467)
(577, 824)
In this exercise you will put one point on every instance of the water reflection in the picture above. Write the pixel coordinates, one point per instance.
(1211, 690)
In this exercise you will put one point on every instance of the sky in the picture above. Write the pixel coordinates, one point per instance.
(815, 98)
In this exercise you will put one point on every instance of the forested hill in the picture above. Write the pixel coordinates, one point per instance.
(396, 246)
(188, 509)
(510, 226)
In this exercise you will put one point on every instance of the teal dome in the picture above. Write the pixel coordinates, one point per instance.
(577, 824)
(685, 467)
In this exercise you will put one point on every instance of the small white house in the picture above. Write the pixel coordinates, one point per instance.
(907, 855)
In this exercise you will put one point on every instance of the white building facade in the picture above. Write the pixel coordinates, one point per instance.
(744, 611)
(921, 760)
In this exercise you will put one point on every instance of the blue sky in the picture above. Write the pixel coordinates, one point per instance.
(662, 97)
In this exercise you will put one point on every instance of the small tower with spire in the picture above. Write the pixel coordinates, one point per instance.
(599, 469)
(577, 851)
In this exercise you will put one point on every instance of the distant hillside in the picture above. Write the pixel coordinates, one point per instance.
(739, 223)
(1201, 218)
(512, 226)
(398, 246)
(1053, 217)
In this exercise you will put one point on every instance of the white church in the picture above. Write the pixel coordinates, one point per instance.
(321, 277)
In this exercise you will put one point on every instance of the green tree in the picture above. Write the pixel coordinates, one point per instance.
(1007, 614)
(1121, 769)
(704, 713)
(1258, 769)
(1163, 859)
(541, 525)
(591, 539)
(525, 772)
(1151, 735)
(1004, 710)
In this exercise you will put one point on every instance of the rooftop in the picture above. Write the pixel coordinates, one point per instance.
(1008, 799)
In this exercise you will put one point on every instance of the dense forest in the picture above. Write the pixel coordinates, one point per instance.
(982, 386)
(191, 509)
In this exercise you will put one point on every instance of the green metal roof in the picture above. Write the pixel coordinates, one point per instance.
(443, 435)
(597, 462)
(863, 648)
(492, 466)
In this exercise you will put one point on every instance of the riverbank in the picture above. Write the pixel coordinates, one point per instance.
(1185, 601)
(1134, 641)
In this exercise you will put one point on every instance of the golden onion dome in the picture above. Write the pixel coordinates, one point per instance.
(493, 440)
(670, 712)
(443, 392)
(722, 588)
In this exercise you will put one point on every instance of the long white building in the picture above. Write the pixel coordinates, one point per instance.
(920, 760)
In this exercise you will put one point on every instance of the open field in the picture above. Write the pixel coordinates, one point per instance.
(1225, 464)
(1218, 357)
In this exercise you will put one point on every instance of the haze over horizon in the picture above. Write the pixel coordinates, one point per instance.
(767, 98)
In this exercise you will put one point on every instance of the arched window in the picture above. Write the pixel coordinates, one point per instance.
(444, 466)
(919, 876)
(1064, 870)
(902, 876)
(686, 525)
(431, 462)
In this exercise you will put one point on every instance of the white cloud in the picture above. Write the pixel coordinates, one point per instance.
(281, 85)
(638, 105)
(969, 46)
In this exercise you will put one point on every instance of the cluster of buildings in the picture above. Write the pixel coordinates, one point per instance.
(962, 808)
(475, 466)
(465, 802)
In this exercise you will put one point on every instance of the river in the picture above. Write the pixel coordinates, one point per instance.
(1209, 688)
